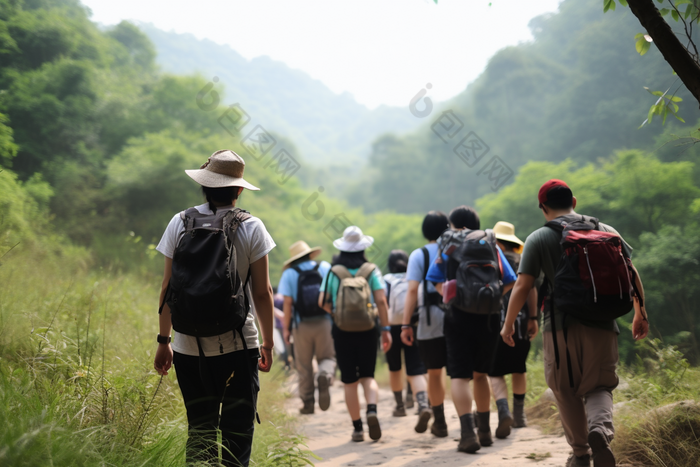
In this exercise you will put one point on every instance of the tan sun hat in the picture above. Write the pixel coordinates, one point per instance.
(224, 168)
(299, 250)
(506, 231)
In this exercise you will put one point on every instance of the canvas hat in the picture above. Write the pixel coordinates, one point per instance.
(353, 240)
(299, 250)
(224, 168)
(506, 231)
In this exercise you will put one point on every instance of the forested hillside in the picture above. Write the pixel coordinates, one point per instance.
(323, 126)
(576, 92)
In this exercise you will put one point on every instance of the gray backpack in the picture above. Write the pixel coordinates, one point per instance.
(354, 310)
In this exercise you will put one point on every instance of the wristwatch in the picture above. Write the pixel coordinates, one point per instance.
(163, 339)
(386, 328)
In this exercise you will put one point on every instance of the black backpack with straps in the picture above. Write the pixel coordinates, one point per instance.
(308, 288)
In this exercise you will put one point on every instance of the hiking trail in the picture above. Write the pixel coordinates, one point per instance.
(328, 436)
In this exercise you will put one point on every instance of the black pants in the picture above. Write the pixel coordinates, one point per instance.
(203, 387)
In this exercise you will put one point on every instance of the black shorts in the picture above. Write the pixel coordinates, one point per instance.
(433, 352)
(355, 353)
(414, 364)
(508, 360)
(471, 342)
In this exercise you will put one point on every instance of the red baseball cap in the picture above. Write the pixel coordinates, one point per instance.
(542, 195)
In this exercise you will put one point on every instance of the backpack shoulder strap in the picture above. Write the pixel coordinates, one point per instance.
(366, 270)
(341, 271)
(297, 269)
(555, 224)
(188, 217)
(318, 265)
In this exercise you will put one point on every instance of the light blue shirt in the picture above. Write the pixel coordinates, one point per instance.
(290, 278)
(437, 272)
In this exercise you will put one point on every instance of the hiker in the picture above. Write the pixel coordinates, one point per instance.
(428, 336)
(353, 292)
(309, 324)
(397, 286)
(580, 343)
(471, 273)
(223, 251)
(509, 360)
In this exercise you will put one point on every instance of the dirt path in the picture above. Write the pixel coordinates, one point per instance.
(328, 435)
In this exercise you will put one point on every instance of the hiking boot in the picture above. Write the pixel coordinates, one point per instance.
(484, 429)
(476, 419)
(468, 443)
(579, 461)
(409, 400)
(399, 411)
(600, 447)
(375, 431)
(358, 436)
(324, 395)
(519, 417)
(439, 429)
(308, 408)
(503, 428)
(423, 419)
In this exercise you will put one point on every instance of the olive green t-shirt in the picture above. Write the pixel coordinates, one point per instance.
(541, 253)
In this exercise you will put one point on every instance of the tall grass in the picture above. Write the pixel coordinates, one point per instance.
(77, 385)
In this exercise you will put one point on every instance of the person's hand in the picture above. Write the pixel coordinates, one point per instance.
(532, 328)
(386, 341)
(407, 336)
(286, 334)
(640, 327)
(507, 334)
(164, 359)
(265, 362)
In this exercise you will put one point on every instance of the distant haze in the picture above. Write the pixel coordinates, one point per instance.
(381, 52)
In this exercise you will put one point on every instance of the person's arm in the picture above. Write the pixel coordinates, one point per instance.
(532, 324)
(518, 296)
(287, 306)
(164, 354)
(640, 322)
(408, 310)
(264, 303)
(383, 309)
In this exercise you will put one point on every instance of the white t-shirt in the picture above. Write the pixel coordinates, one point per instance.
(252, 242)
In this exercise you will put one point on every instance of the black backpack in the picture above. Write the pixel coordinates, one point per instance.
(206, 296)
(308, 288)
(475, 265)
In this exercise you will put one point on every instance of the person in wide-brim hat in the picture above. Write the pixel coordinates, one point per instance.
(223, 169)
(506, 231)
(353, 240)
(300, 249)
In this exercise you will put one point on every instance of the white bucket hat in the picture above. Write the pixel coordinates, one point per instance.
(353, 240)
(224, 168)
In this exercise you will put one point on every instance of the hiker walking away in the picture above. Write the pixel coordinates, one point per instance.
(429, 336)
(397, 286)
(281, 348)
(353, 291)
(215, 264)
(471, 273)
(310, 324)
(509, 360)
(580, 331)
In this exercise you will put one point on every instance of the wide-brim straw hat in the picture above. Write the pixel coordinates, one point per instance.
(224, 168)
(353, 240)
(299, 250)
(506, 231)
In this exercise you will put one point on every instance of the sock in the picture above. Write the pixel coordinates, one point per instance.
(422, 399)
(408, 389)
(439, 413)
(371, 408)
(398, 395)
(357, 424)
(503, 410)
(466, 422)
(518, 397)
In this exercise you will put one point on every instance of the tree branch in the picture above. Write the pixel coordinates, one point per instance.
(680, 59)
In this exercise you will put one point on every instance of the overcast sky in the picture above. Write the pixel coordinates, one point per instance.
(380, 51)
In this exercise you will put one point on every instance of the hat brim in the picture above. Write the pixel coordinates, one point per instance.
(509, 238)
(351, 247)
(211, 179)
(312, 252)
